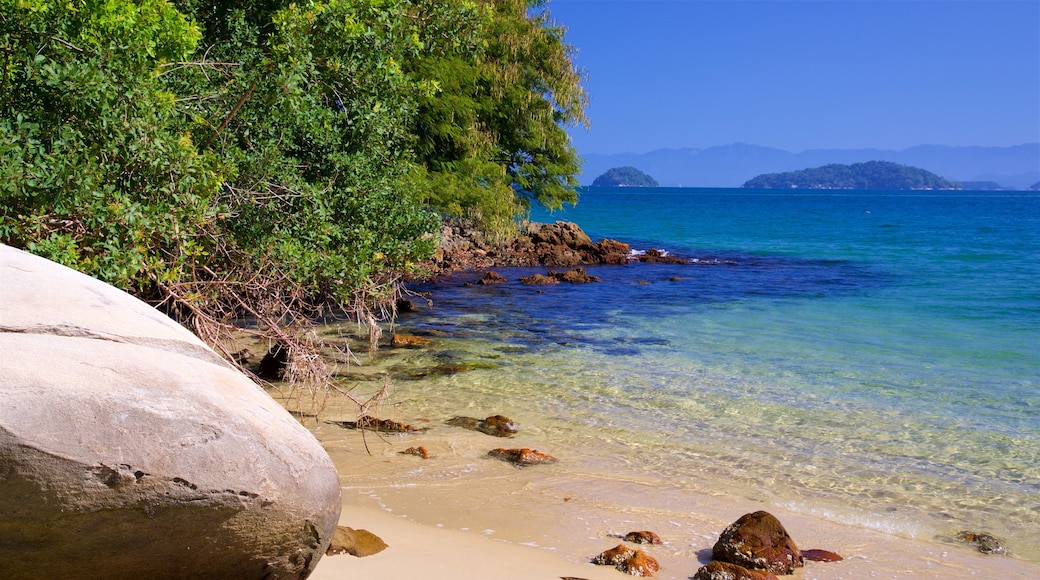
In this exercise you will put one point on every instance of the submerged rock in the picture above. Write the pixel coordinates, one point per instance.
(492, 278)
(378, 425)
(409, 341)
(655, 256)
(496, 425)
(725, 571)
(358, 543)
(629, 561)
(522, 457)
(983, 542)
(539, 280)
(644, 537)
(417, 451)
(758, 541)
(821, 556)
(575, 276)
(129, 449)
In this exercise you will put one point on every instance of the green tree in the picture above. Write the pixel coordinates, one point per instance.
(492, 140)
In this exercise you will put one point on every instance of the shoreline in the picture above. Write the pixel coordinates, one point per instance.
(460, 513)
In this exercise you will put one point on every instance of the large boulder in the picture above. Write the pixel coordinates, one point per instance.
(128, 449)
(758, 541)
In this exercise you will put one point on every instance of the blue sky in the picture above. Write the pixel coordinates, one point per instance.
(799, 75)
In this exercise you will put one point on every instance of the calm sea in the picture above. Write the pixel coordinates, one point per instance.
(871, 357)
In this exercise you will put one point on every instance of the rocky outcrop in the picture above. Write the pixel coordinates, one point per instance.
(128, 449)
(758, 541)
(558, 245)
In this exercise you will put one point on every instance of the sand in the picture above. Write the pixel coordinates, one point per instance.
(462, 515)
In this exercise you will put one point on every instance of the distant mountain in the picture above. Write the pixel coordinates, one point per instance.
(625, 177)
(876, 175)
(1016, 167)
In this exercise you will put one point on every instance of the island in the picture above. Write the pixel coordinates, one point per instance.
(625, 177)
(868, 175)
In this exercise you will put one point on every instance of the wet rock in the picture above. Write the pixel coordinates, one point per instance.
(725, 571)
(409, 341)
(496, 425)
(758, 541)
(522, 457)
(359, 543)
(575, 276)
(378, 425)
(821, 556)
(655, 256)
(629, 561)
(539, 280)
(644, 537)
(417, 451)
(404, 305)
(983, 542)
(272, 366)
(491, 278)
(610, 252)
(129, 449)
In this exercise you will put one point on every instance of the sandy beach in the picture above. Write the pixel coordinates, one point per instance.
(460, 514)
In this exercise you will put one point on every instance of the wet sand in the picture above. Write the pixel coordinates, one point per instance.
(460, 514)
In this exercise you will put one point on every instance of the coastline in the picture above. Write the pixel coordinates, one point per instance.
(459, 513)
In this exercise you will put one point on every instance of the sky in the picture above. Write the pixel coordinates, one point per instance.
(796, 75)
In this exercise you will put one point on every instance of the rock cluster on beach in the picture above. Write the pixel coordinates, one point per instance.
(129, 449)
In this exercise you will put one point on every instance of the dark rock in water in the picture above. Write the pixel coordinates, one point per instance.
(409, 341)
(629, 561)
(405, 305)
(725, 571)
(983, 542)
(378, 425)
(575, 276)
(655, 256)
(643, 537)
(522, 457)
(758, 541)
(272, 366)
(496, 425)
(359, 543)
(539, 280)
(821, 556)
(417, 451)
(491, 278)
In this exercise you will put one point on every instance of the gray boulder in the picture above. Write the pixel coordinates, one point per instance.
(128, 449)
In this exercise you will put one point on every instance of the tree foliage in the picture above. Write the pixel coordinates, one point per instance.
(877, 175)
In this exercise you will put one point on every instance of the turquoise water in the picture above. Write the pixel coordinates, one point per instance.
(873, 357)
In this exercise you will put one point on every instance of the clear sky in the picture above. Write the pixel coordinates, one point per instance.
(801, 75)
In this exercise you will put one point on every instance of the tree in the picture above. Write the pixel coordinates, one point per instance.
(492, 140)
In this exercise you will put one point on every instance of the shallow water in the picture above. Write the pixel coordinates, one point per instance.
(871, 358)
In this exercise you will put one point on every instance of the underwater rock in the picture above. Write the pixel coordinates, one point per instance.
(378, 425)
(821, 556)
(417, 451)
(496, 425)
(409, 341)
(522, 457)
(985, 543)
(643, 537)
(539, 280)
(575, 276)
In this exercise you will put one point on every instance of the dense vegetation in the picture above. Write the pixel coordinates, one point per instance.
(269, 158)
(624, 177)
(877, 175)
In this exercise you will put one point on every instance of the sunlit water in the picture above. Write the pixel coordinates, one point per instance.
(870, 357)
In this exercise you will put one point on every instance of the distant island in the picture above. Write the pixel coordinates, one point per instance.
(625, 177)
(869, 175)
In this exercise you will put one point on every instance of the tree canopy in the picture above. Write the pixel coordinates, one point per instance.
(624, 177)
(877, 175)
(266, 157)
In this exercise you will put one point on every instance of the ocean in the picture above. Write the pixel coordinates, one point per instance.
(867, 357)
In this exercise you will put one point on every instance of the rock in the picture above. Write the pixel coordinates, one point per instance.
(539, 280)
(610, 252)
(522, 457)
(417, 451)
(983, 542)
(359, 543)
(377, 425)
(821, 556)
(758, 541)
(575, 276)
(404, 305)
(491, 278)
(272, 366)
(725, 571)
(409, 341)
(642, 538)
(496, 425)
(655, 256)
(629, 561)
(129, 449)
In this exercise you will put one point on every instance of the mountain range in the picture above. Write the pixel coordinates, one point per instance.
(1015, 167)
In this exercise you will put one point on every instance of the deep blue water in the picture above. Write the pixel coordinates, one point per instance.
(887, 342)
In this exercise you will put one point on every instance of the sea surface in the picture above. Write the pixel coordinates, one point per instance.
(868, 357)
